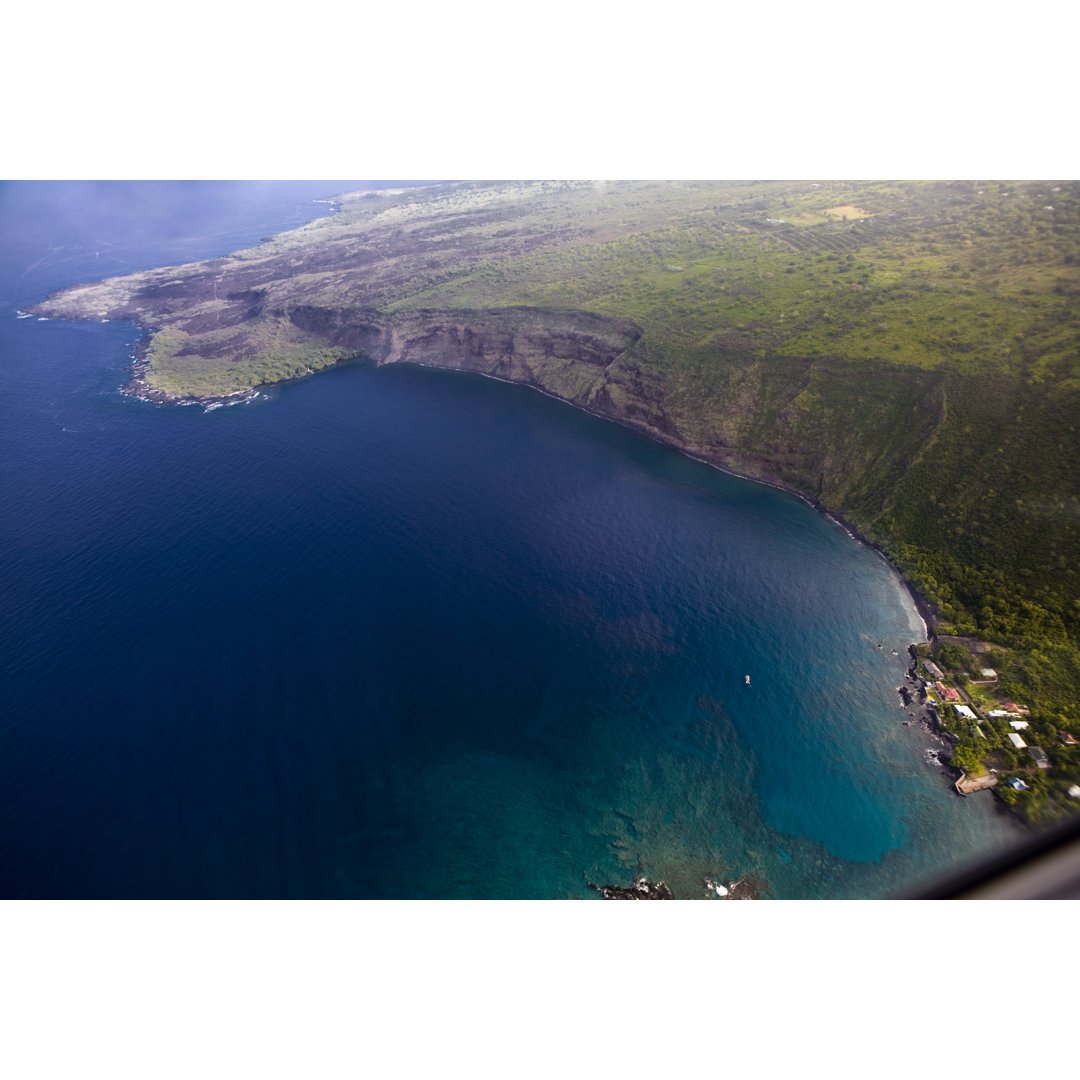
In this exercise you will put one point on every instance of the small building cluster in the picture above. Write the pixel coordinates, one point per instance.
(938, 693)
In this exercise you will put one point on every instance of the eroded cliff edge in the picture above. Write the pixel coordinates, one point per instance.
(768, 425)
(812, 425)
(396, 277)
(584, 358)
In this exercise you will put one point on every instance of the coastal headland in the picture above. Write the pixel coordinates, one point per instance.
(906, 356)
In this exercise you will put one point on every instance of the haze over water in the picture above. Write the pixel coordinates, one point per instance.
(398, 633)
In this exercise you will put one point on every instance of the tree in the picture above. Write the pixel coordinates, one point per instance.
(953, 656)
(967, 758)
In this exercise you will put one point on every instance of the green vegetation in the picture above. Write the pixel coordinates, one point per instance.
(179, 370)
(1024, 692)
(908, 354)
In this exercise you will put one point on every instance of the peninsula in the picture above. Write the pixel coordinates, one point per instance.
(905, 354)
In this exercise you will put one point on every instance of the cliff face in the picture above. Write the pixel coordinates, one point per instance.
(725, 388)
(816, 425)
(523, 344)
(811, 425)
(581, 357)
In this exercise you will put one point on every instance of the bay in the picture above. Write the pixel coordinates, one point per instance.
(405, 633)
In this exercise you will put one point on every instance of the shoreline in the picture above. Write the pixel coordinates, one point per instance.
(929, 720)
(923, 608)
(640, 407)
(137, 387)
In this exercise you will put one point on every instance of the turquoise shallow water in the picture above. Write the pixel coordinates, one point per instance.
(408, 633)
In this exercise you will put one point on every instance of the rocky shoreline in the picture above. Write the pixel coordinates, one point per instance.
(139, 387)
(941, 757)
(913, 701)
(930, 721)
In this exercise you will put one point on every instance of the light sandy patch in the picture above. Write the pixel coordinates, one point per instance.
(849, 212)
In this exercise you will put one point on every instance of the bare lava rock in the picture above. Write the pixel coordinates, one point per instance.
(642, 889)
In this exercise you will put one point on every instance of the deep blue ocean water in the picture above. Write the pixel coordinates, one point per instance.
(405, 633)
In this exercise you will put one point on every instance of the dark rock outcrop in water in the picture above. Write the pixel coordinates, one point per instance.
(642, 889)
(745, 888)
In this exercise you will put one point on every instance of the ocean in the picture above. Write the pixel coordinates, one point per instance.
(400, 633)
